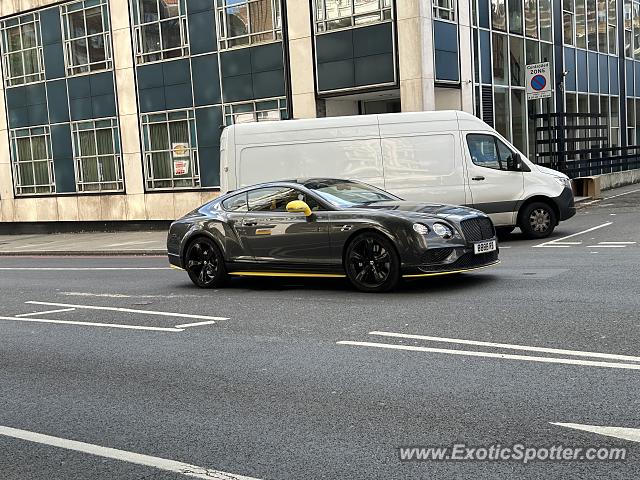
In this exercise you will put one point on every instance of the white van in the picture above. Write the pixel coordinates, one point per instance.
(437, 157)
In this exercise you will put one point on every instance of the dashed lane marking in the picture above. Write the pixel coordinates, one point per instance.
(560, 241)
(47, 312)
(93, 324)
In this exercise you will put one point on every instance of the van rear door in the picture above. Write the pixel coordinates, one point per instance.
(495, 190)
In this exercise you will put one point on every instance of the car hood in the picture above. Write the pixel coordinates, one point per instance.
(423, 210)
(550, 171)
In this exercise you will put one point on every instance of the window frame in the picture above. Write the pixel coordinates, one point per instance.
(385, 10)
(229, 113)
(451, 10)
(496, 142)
(138, 27)
(222, 29)
(20, 21)
(78, 157)
(194, 158)
(68, 41)
(31, 133)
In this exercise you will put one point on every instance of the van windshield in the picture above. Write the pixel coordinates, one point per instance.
(346, 193)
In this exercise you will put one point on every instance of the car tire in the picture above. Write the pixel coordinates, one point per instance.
(537, 220)
(372, 263)
(205, 264)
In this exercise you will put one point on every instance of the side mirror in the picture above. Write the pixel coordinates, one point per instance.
(514, 162)
(298, 206)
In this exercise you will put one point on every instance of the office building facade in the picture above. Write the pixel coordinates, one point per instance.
(114, 108)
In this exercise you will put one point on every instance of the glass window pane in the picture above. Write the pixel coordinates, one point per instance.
(568, 28)
(39, 148)
(237, 21)
(592, 29)
(169, 8)
(498, 15)
(531, 18)
(515, 16)
(16, 68)
(159, 136)
(545, 20)
(14, 41)
(87, 144)
(29, 36)
(171, 37)
(581, 25)
(79, 52)
(149, 10)
(517, 61)
(261, 15)
(501, 109)
(94, 21)
(518, 104)
(500, 65)
(151, 37)
(76, 24)
(97, 51)
(104, 142)
(483, 151)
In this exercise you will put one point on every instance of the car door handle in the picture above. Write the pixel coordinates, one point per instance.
(478, 178)
(249, 223)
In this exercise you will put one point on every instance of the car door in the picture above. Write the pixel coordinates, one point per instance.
(275, 236)
(494, 188)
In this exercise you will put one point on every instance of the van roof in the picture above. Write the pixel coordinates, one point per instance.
(266, 127)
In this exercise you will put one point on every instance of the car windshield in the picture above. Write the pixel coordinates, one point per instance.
(345, 193)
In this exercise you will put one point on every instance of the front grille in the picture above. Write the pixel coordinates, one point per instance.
(435, 255)
(477, 229)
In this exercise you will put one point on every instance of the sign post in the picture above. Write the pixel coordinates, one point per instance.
(538, 81)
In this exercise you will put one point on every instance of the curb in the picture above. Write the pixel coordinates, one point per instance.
(90, 253)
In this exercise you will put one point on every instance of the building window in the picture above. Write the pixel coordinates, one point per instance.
(568, 16)
(248, 22)
(87, 43)
(612, 21)
(32, 161)
(160, 30)
(255, 111)
(170, 150)
(96, 151)
(336, 14)
(444, 9)
(22, 58)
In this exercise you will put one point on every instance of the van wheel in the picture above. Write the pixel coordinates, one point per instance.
(371, 263)
(537, 220)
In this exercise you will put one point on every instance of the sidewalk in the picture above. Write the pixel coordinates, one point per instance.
(98, 243)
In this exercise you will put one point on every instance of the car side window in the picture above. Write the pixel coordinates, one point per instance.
(237, 203)
(276, 199)
(488, 151)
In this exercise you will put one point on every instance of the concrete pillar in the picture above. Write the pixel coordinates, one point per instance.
(415, 55)
(466, 55)
(301, 59)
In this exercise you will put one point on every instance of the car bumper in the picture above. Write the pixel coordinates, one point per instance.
(565, 204)
(441, 261)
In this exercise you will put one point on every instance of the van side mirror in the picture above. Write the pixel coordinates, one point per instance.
(514, 162)
(298, 206)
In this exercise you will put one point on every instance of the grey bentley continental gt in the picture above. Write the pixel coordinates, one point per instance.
(332, 228)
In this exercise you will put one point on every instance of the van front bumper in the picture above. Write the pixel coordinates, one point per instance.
(565, 204)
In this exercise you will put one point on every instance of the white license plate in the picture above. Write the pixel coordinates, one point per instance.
(484, 247)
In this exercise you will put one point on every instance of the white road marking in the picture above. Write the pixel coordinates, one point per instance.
(122, 455)
(606, 246)
(129, 310)
(621, 194)
(187, 325)
(631, 434)
(80, 269)
(93, 324)
(132, 243)
(616, 243)
(560, 240)
(46, 312)
(558, 351)
(503, 356)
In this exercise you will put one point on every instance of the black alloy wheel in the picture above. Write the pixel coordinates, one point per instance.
(538, 220)
(371, 263)
(204, 263)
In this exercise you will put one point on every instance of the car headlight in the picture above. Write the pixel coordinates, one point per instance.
(420, 228)
(442, 230)
(564, 181)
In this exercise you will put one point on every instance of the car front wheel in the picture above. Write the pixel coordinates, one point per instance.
(371, 263)
(538, 220)
(204, 263)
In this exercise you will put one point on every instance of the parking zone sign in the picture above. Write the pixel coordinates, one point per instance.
(538, 81)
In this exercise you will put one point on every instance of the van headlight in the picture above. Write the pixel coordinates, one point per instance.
(564, 181)
(420, 228)
(442, 230)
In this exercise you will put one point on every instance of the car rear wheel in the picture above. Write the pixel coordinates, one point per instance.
(204, 263)
(538, 220)
(371, 263)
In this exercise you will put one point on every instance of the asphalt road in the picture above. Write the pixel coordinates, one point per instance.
(272, 393)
